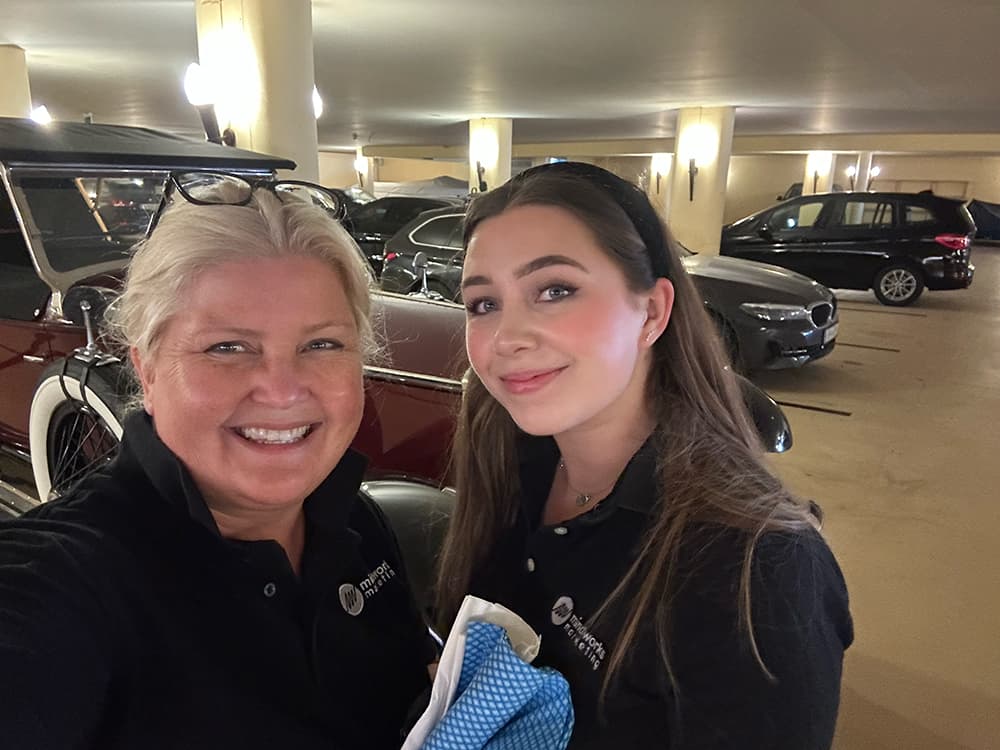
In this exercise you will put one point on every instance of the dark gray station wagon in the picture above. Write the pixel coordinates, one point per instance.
(897, 244)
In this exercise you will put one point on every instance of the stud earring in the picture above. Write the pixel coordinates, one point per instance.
(649, 336)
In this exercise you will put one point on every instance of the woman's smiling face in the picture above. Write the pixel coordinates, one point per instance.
(553, 331)
(256, 384)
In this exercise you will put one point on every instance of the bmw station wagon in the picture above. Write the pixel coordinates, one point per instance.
(896, 244)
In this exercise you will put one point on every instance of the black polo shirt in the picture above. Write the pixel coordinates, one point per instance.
(557, 577)
(127, 621)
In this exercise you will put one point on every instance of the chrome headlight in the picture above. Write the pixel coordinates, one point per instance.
(771, 311)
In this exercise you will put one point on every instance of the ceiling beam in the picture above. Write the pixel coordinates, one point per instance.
(883, 143)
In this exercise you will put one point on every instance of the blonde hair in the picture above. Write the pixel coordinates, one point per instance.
(190, 238)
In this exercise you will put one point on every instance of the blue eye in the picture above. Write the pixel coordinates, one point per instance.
(480, 306)
(321, 345)
(556, 292)
(227, 347)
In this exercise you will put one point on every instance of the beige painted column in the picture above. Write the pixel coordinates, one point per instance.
(259, 55)
(490, 148)
(818, 174)
(704, 145)
(365, 169)
(15, 94)
(660, 182)
(864, 170)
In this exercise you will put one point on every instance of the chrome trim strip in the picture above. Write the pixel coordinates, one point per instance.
(16, 499)
(32, 358)
(424, 224)
(10, 450)
(403, 377)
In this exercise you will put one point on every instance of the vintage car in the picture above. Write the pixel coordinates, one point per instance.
(74, 197)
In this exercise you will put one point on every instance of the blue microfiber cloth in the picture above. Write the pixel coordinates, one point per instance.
(503, 703)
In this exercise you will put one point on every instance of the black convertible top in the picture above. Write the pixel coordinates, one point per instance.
(23, 140)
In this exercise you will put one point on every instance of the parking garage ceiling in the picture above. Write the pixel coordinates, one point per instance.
(414, 71)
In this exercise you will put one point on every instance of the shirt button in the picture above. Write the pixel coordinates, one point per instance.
(530, 564)
(270, 590)
(560, 530)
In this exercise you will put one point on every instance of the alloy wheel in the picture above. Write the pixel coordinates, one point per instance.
(898, 285)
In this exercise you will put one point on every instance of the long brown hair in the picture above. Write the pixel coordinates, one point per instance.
(710, 463)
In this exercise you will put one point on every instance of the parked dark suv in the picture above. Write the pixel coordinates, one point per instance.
(373, 223)
(894, 243)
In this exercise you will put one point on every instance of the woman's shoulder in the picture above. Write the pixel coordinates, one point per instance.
(794, 578)
(73, 534)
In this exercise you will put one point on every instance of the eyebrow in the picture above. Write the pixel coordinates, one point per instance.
(222, 328)
(529, 268)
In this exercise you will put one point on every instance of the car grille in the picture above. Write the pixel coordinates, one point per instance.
(821, 313)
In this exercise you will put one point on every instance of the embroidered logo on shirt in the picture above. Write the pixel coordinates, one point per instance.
(561, 610)
(579, 634)
(352, 597)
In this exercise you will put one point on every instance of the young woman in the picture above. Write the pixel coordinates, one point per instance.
(612, 489)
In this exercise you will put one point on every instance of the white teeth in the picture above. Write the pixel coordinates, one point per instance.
(273, 437)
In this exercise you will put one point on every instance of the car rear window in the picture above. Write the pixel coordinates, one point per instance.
(915, 215)
(863, 213)
(439, 232)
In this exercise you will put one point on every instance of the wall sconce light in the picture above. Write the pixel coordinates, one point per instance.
(692, 171)
(872, 174)
(698, 143)
(481, 177)
(659, 165)
(40, 114)
(361, 167)
(851, 172)
(317, 102)
(815, 180)
(199, 92)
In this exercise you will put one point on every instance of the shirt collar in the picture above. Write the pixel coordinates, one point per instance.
(637, 488)
(142, 448)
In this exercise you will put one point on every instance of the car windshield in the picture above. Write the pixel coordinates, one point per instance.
(85, 221)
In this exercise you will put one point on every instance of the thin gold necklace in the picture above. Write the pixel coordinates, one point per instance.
(583, 498)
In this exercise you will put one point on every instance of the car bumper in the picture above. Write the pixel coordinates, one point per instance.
(943, 274)
(396, 278)
(785, 345)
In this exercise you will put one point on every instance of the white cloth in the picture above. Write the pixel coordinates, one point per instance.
(523, 639)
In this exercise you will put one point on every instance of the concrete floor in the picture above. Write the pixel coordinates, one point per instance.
(910, 482)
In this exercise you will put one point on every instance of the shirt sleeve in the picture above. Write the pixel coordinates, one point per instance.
(801, 624)
(55, 662)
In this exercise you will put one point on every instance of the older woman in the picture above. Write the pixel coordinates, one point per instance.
(223, 583)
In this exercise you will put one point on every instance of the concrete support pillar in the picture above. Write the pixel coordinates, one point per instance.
(864, 170)
(489, 151)
(15, 95)
(704, 145)
(365, 168)
(818, 175)
(660, 182)
(259, 54)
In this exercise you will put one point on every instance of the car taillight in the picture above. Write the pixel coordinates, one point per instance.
(953, 242)
(391, 256)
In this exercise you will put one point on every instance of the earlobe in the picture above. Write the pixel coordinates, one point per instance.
(145, 378)
(658, 310)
